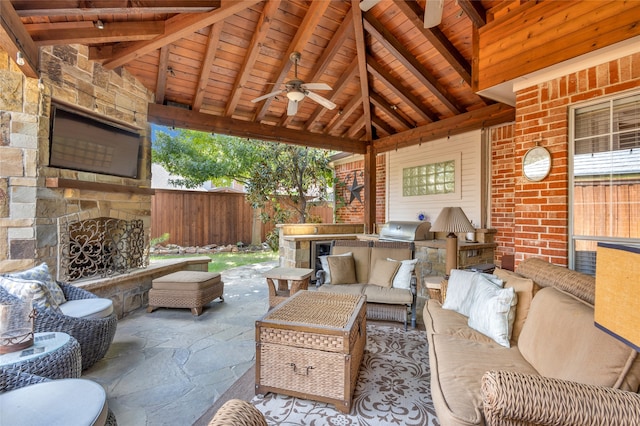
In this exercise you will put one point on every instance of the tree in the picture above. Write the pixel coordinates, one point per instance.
(281, 176)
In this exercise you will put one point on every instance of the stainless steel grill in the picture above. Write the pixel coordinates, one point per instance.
(406, 231)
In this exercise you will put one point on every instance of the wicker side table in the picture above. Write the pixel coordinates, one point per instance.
(53, 355)
(289, 281)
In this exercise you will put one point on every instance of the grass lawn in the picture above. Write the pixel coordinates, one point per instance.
(222, 261)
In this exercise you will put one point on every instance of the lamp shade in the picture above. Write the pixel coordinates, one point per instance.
(617, 302)
(452, 219)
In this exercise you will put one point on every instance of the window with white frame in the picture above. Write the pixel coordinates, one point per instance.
(429, 179)
(605, 175)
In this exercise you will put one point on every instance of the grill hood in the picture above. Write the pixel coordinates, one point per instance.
(406, 231)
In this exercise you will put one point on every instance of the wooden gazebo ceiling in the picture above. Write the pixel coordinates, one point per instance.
(206, 60)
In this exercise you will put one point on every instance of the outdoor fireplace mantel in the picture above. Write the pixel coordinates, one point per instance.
(96, 186)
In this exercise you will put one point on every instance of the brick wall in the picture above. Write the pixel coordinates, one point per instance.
(540, 210)
(354, 212)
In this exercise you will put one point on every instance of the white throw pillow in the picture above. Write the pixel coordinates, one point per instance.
(33, 290)
(403, 276)
(325, 265)
(460, 285)
(41, 273)
(493, 310)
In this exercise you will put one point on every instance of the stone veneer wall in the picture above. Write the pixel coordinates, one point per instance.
(30, 212)
(532, 218)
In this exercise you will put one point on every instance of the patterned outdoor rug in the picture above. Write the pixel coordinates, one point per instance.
(392, 389)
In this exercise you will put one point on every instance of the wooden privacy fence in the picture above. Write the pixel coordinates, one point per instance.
(193, 218)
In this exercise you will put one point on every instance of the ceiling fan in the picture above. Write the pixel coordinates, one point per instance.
(296, 90)
(432, 11)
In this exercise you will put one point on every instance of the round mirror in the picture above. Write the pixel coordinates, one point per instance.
(536, 164)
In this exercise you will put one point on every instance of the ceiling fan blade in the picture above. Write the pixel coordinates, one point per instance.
(316, 86)
(365, 5)
(322, 101)
(268, 95)
(433, 13)
(292, 108)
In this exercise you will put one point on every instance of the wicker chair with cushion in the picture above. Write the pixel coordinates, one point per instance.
(238, 413)
(81, 314)
(14, 381)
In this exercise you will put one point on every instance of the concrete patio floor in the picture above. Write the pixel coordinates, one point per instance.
(167, 367)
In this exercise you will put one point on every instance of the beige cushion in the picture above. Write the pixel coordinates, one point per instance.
(325, 265)
(383, 272)
(343, 289)
(186, 280)
(560, 340)
(525, 289)
(457, 366)
(493, 310)
(361, 258)
(343, 270)
(445, 321)
(388, 295)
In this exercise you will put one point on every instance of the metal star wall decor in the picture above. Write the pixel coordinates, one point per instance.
(355, 189)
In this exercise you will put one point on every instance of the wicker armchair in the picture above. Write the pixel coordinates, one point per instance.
(238, 413)
(12, 380)
(94, 334)
(511, 398)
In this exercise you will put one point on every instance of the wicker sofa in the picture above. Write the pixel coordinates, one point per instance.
(387, 301)
(559, 368)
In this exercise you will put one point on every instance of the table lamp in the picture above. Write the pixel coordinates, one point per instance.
(617, 302)
(452, 220)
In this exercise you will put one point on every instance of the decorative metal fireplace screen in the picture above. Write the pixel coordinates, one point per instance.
(101, 247)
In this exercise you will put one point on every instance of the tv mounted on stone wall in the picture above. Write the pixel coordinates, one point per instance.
(79, 142)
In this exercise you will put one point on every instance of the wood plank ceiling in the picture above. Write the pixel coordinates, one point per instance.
(394, 82)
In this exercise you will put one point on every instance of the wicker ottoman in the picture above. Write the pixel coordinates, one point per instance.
(185, 289)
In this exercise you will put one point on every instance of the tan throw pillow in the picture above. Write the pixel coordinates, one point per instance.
(525, 289)
(383, 272)
(343, 269)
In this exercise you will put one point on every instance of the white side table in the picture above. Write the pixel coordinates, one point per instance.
(53, 355)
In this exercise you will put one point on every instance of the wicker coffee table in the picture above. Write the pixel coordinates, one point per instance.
(311, 347)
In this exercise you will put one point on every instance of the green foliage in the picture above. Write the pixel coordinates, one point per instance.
(160, 240)
(278, 177)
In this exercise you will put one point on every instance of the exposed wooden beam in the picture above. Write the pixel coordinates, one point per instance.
(184, 118)
(382, 126)
(258, 38)
(356, 127)
(14, 38)
(327, 56)
(344, 80)
(305, 31)
(370, 179)
(474, 11)
(361, 50)
(395, 85)
(436, 37)
(484, 117)
(382, 103)
(161, 81)
(210, 54)
(85, 32)
(343, 114)
(408, 59)
(79, 7)
(176, 28)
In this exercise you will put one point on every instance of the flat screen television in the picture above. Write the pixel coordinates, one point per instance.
(78, 142)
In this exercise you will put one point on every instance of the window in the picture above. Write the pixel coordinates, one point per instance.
(605, 195)
(429, 179)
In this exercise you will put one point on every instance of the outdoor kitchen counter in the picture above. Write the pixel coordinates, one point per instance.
(320, 237)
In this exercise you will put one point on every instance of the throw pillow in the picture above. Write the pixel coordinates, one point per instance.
(325, 266)
(525, 289)
(460, 289)
(403, 276)
(383, 272)
(493, 310)
(30, 289)
(41, 273)
(343, 269)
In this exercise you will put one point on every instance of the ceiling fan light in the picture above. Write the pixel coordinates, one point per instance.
(295, 96)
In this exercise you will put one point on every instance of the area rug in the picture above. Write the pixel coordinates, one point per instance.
(393, 387)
